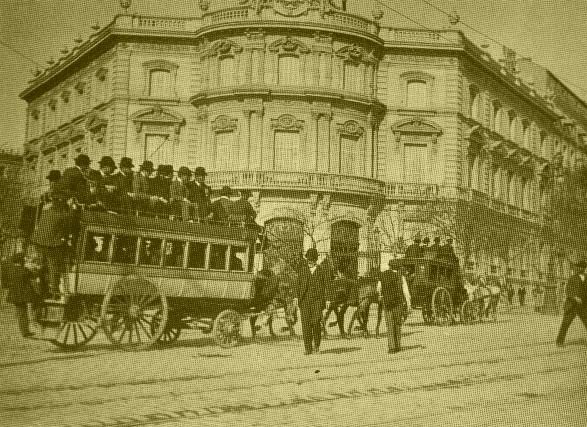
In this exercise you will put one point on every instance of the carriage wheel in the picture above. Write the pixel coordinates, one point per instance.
(276, 320)
(468, 312)
(442, 307)
(169, 335)
(79, 328)
(226, 329)
(134, 313)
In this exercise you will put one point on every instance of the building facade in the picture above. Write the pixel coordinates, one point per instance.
(353, 137)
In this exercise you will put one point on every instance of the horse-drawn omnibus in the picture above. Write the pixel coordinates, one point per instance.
(143, 280)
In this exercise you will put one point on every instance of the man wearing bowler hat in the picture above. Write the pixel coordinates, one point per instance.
(104, 183)
(310, 292)
(576, 302)
(53, 177)
(123, 182)
(141, 187)
(74, 181)
(200, 193)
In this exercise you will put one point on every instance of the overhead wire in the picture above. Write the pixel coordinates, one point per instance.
(19, 53)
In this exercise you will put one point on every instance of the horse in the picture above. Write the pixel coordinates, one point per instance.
(486, 295)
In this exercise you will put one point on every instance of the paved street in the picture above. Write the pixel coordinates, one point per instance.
(492, 374)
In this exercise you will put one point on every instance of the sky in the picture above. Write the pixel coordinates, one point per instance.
(552, 33)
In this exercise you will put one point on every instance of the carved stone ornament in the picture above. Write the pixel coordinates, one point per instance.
(355, 54)
(223, 48)
(287, 122)
(52, 104)
(351, 128)
(224, 124)
(97, 127)
(35, 113)
(416, 125)
(101, 74)
(291, 7)
(157, 115)
(288, 45)
(80, 87)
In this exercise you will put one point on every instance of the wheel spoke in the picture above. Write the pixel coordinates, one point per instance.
(140, 322)
(75, 341)
(66, 333)
(83, 332)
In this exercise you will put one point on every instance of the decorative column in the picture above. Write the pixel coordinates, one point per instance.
(312, 147)
(245, 141)
(256, 139)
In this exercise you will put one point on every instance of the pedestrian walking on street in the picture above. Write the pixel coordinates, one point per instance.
(576, 302)
(21, 291)
(310, 297)
(522, 295)
(395, 293)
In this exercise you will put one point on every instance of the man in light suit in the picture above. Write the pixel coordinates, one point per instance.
(310, 295)
(576, 303)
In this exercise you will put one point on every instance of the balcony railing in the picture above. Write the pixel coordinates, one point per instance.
(296, 181)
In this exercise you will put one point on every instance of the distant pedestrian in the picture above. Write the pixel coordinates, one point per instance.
(395, 293)
(510, 292)
(576, 302)
(310, 294)
(522, 295)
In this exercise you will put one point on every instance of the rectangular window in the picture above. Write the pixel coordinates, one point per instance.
(97, 247)
(349, 155)
(125, 250)
(238, 258)
(218, 255)
(150, 253)
(227, 71)
(287, 150)
(226, 151)
(289, 71)
(197, 255)
(158, 149)
(352, 77)
(415, 163)
(160, 83)
(173, 253)
(417, 94)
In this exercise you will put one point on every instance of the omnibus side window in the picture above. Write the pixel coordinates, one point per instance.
(125, 249)
(218, 255)
(150, 252)
(97, 247)
(173, 254)
(238, 258)
(433, 273)
(197, 255)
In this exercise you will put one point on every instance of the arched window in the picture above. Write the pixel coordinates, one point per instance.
(159, 83)
(417, 94)
(289, 70)
(344, 245)
(496, 116)
(475, 103)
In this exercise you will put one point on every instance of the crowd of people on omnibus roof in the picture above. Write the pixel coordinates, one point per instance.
(421, 248)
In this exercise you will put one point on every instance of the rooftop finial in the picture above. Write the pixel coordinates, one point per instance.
(95, 27)
(125, 4)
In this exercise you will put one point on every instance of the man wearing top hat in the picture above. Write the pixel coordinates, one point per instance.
(161, 187)
(310, 293)
(414, 250)
(200, 193)
(103, 182)
(123, 184)
(179, 194)
(53, 177)
(576, 302)
(74, 181)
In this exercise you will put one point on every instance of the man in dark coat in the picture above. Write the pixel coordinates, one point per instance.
(123, 183)
(395, 293)
(179, 194)
(447, 252)
(75, 181)
(161, 188)
(221, 208)
(337, 296)
(21, 292)
(310, 291)
(414, 250)
(141, 188)
(576, 302)
(200, 193)
(53, 177)
(242, 211)
(104, 182)
(50, 238)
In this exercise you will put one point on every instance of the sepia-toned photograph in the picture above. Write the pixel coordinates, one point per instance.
(346, 213)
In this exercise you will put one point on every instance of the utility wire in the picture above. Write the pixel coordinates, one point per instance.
(19, 53)
(488, 37)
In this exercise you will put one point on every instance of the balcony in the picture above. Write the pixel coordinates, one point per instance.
(301, 181)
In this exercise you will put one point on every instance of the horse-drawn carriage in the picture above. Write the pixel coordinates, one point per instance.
(437, 288)
(145, 279)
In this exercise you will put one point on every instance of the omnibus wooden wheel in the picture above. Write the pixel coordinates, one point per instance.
(226, 328)
(171, 332)
(468, 312)
(134, 313)
(442, 307)
(79, 326)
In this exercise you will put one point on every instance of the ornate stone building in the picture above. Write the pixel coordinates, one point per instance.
(350, 134)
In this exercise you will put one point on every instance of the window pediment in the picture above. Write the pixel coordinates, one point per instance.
(223, 48)
(351, 128)
(417, 126)
(416, 75)
(287, 122)
(158, 115)
(288, 46)
(224, 124)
